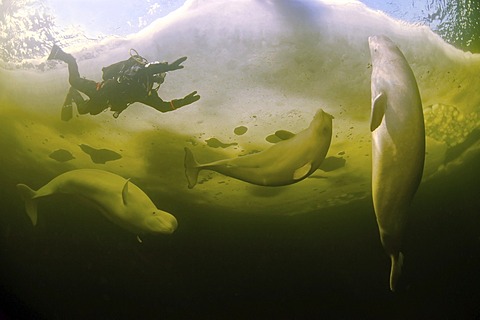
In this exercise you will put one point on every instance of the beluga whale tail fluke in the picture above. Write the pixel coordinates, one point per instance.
(191, 168)
(117, 198)
(28, 196)
(287, 162)
(395, 269)
(398, 145)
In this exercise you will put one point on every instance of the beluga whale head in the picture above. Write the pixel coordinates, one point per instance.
(322, 123)
(383, 49)
(160, 222)
(139, 214)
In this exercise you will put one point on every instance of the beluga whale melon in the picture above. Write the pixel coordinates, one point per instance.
(398, 145)
(287, 162)
(121, 201)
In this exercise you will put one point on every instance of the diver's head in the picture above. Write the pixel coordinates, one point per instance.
(159, 77)
(161, 222)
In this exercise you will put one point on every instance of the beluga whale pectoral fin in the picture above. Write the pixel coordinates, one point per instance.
(302, 172)
(125, 192)
(379, 105)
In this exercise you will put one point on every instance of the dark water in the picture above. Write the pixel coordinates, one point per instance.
(77, 265)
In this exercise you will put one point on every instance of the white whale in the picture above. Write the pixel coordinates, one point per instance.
(287, 162)
(398, 145)
(117, 198)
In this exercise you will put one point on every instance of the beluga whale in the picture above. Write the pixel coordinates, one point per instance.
(398, 145)
(118, 199)
(285, 163)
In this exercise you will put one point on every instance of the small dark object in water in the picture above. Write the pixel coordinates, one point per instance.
(273, 138)
(279, 135)
(332, 163)
(241, 130)
(215, 143)
(61, 155)
(100, 155)
(284, 134)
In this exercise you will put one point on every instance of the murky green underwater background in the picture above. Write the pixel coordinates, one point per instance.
(79, 265)
(75, 264)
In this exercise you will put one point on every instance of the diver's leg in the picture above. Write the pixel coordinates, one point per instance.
(85, 106)
(82, 104)
(89, 87)
(73, 96)
(154, 101)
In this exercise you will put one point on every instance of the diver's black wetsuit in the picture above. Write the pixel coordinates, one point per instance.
(116, 94)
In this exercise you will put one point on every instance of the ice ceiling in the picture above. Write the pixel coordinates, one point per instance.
(260, 67)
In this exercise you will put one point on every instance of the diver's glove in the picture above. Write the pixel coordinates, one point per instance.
(154, 68)
(188, 99)
(175, 65)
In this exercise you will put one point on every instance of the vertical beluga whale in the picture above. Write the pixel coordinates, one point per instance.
(287, 162)
(398, 145)
(121, 201)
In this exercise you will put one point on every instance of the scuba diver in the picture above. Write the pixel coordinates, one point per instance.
(124, 83)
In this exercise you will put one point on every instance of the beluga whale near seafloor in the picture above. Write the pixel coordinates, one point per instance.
(121, 201)
(287, 162)
(398, 145)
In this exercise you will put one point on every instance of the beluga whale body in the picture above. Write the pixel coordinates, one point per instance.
(121, 201)
(287, 162)
(398, 145)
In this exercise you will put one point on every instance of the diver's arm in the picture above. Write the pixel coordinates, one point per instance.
(155, 68)
(175, 65)
(157, 103)
(188, 99)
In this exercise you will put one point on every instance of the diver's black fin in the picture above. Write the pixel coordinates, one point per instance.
(58, 54)
(54, 52)
(67, 112)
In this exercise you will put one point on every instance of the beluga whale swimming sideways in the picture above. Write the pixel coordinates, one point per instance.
(287, 162)
(121, 201)
(398, 145)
